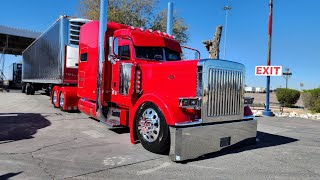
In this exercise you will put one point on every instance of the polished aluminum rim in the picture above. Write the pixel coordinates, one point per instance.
(54, 98)
(149, 125)
(61, 101)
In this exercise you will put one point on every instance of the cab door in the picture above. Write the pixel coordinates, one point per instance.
(123, 72)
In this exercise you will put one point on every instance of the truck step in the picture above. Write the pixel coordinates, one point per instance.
(111, 122)
(113, 117)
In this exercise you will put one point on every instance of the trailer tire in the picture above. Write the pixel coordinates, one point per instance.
(28, 89)
(152, 129)
(32, 91)
(23, 89)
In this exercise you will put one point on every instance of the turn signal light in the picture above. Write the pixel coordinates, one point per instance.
(137, 83)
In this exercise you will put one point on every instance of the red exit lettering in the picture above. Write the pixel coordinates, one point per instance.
(268, 71)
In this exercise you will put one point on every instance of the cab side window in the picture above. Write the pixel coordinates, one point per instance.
(124, 52)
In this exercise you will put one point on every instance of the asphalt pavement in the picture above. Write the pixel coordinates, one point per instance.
(38, 141)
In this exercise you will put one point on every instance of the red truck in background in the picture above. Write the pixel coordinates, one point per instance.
(186, 108)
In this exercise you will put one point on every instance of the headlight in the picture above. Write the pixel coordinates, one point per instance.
(190, 103)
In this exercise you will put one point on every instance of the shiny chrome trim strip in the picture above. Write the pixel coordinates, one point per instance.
(190, 123)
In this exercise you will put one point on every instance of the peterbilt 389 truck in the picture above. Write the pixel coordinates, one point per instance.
(134, 77)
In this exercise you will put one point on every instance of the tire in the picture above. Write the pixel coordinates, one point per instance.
(32, 91)
(152, 129)
(61, 101)
(28, 89)
(23, 89)
(54, 98)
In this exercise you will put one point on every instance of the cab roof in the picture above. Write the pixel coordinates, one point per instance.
(149, 38)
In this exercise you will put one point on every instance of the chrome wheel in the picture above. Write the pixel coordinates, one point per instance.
(149, 125)
(61, 100)
(54, 98)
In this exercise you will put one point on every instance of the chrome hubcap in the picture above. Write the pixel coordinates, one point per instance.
(61, 101)
(149, 125)
(54, 98)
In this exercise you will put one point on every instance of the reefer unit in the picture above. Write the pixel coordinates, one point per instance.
(52, 58)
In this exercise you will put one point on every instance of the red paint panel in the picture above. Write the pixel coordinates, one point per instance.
(88, 43)
(70, 98)
(170, 81)
(87, 107)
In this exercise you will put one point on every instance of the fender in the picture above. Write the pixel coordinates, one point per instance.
(55, 88)
(148, 98)
(70, 98)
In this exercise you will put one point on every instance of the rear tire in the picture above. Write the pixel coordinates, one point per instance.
(61, 101)
(54, 98)
(152, 129)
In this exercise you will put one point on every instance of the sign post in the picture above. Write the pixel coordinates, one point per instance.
(267, 111)
(287, 74)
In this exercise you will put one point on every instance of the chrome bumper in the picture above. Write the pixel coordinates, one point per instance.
(190, 142)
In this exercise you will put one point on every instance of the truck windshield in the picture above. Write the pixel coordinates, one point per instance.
(157, 53)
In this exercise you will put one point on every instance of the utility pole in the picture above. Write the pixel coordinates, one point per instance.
(226, 8)
(287, 74)
(267, 111)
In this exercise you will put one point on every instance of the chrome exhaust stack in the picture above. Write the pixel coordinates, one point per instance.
(102, 29)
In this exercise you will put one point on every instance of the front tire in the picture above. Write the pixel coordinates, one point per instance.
(152, 129)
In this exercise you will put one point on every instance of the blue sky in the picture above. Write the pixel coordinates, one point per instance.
(295, 43)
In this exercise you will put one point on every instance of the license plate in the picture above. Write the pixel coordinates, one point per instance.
(225, 141)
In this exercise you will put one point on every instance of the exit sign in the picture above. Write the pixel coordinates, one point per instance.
(268, 71)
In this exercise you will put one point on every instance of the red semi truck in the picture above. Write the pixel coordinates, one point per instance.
(186, 108)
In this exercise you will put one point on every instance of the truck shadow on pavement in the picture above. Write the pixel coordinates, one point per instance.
(19, 126)
(263, 140)
(9, 175)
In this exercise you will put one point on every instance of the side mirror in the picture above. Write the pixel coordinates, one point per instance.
(113, 48)
(119, 52)
(115, 45)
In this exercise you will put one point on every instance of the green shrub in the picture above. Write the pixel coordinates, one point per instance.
(311, 99)
(287, 97)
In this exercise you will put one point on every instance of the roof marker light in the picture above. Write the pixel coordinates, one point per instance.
(132, 27)
(141, 29)
(159, 32)
(150, 30)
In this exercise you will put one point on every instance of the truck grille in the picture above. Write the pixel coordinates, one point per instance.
(74, 32)
(224, 92)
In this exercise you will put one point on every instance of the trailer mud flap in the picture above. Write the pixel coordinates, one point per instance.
(192, 142)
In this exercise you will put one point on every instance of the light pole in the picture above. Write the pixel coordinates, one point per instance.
(267, 111)
(226, 9)
(287, 74)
